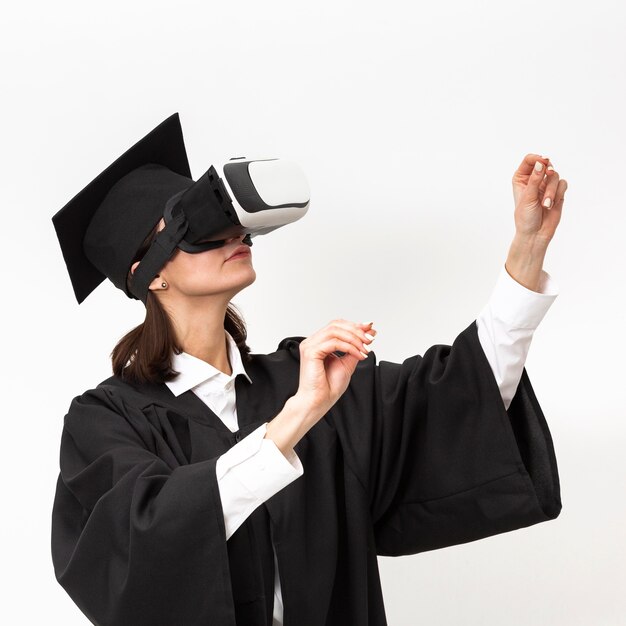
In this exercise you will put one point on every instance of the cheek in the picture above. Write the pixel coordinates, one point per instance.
(196, 268)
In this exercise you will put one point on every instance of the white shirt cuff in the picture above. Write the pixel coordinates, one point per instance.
(250, 473)
(506, 326)
(518, 306)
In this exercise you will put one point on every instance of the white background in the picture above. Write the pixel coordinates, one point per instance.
(409, 121)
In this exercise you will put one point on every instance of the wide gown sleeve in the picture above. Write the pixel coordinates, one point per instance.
(443, 462)
(136, 538)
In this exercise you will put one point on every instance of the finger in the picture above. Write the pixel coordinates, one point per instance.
(559, 196)
(352, 335)
(368, 328)
(528, 163)
(549, 194)
(349, 331)
(354, 328)
(534, 182)
(366, 332)
(325, 348)
(550, 219)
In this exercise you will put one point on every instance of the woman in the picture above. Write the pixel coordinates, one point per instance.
(177, 506)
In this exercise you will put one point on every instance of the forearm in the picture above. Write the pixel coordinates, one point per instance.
(525, 261)
(250, 473)
(262, 464)
(291, 424)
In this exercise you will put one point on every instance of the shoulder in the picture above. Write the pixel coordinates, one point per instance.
(277, 370)
(287, 351)
(109, 398)
(106, 416)
(107, 392)
(291, 345)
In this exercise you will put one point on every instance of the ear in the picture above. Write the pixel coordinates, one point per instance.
(156, 282)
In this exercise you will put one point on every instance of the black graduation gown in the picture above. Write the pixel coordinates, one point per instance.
(414, 456)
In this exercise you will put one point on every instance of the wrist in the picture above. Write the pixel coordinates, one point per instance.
(525, 261)
(307, 410)
(529, 246)
(290, 425)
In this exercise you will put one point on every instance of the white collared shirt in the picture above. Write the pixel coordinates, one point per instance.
(254, 469)
(211, 385)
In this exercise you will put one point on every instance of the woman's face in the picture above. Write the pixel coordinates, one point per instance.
(206, 273)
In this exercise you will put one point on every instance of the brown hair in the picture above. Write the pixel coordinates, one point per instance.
(145, 353)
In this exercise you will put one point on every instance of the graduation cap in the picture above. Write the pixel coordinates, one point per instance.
(101, 229)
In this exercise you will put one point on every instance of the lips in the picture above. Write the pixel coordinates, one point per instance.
(239, 250)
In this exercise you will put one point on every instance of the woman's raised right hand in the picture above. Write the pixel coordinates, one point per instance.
(324, 376)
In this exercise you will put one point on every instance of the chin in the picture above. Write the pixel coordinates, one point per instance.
(245, 281)
(251, 279)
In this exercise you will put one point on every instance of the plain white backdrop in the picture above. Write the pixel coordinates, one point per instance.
(409, 121)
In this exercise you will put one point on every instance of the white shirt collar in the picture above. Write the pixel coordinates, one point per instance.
(195, 371)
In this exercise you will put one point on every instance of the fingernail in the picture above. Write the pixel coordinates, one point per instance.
(538, 166)
(370, 337)
(547, 202)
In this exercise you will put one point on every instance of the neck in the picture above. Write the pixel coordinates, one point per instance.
(199, 328)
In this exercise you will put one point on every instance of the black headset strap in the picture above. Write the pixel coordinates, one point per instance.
(192, 248)
(164, 245)
(158, 254)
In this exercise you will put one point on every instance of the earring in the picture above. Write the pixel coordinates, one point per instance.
(164, 285)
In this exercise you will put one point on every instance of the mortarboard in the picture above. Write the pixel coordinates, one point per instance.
(101, 228)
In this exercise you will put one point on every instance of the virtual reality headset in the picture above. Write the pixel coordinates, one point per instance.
(103, 227)
(243, 196)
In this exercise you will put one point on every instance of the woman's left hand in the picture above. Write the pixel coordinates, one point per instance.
(531, 189)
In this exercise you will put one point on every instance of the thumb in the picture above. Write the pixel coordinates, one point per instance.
(534, 182)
